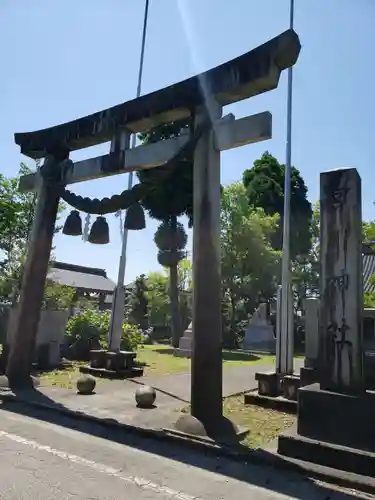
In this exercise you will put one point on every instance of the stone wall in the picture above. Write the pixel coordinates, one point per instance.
(51, 331)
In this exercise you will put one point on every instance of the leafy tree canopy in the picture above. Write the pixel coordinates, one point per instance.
(249, 265)
(17, 211)
(264, 184)
(173, 197)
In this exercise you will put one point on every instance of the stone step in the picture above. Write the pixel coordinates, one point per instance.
(326, 454)
(183, 353)
(185, 343)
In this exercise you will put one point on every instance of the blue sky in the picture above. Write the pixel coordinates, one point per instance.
(63, 59)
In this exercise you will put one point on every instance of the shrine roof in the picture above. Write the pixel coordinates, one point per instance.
(81, 277)
(250, 74)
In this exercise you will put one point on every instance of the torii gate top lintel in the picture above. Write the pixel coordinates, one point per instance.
(252, 73)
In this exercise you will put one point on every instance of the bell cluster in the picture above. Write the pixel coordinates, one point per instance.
(99, 233)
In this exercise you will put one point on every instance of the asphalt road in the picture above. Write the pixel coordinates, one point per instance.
(48, 460)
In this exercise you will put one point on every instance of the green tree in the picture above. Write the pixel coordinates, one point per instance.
(158, 300)
(249, 264)
(369, 231)
(139, 303)
(264, 184)
(16, 215)
(305, 269)
(158, 294)
(17, 211)
(58, 297)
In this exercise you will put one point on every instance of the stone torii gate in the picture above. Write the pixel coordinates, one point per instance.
(202, 96)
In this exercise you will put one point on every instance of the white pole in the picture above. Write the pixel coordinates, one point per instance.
(117, 314)
(287, 324)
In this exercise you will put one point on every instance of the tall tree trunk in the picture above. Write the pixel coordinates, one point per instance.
(174, 302)
(174, 299)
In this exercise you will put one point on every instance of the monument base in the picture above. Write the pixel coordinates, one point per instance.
(333, 430)
(268, 384)
(323, 454)
(342, 419)
(185, 345)
(308, 376)
(289, 386)
(182, 353)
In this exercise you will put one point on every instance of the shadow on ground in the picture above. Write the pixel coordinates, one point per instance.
(245, 472)
(226, 355)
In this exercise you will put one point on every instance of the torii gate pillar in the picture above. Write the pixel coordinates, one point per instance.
(206, 371)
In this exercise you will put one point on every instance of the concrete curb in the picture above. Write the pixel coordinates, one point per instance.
(254, 456)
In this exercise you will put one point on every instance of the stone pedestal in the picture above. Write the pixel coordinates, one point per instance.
(185, 345)
(334, 430)
(289, 386)
(309, 373)
(342, 419)
(97, 358)
(108, 364)
(308, 376)
(268, 384)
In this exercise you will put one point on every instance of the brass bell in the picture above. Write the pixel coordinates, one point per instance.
(99, 234)
(135, 217)
(73, 224)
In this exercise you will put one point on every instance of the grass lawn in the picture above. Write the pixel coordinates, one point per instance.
(159, 360)
(264, 425)
(64, 377)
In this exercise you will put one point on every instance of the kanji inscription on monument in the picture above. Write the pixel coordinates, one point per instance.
(341, 305)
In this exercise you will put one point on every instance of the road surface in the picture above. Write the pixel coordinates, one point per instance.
(43, 460)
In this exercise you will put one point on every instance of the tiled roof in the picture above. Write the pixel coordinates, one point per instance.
(86, 278)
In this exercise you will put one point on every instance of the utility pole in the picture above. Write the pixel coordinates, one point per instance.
(117, 314)
(285, 361)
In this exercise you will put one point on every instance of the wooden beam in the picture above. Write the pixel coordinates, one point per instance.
(248, 75)
(231, 133)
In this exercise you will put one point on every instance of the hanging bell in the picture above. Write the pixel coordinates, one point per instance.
(135, 217)
(73, 224)
(99, 234)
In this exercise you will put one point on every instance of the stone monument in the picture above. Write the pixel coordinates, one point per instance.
(311, 317)
(336, 416)
(260, 335)
(185, 345)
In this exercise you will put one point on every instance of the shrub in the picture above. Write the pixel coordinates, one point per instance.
(89, 329)
(131, 337)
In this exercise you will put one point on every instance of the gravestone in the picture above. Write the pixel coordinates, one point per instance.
(260, 334)
(309, 370)
(185, 345)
